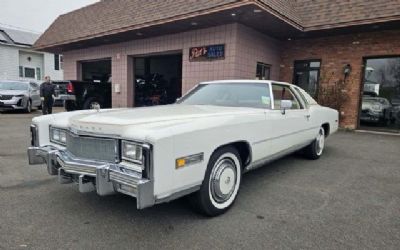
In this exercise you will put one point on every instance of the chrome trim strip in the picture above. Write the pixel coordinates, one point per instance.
(280, 136)
(268, 159)
(178, 194)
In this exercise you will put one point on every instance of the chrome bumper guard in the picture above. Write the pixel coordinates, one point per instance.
(109, 177)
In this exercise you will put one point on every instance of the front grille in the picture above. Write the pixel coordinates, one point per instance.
(6, 97)
(93, 148)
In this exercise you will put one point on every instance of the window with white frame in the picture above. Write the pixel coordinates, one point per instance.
(29, 72)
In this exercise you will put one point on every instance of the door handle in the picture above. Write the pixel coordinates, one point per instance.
(307, 116)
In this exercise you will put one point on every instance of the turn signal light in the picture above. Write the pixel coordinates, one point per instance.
(180, 163)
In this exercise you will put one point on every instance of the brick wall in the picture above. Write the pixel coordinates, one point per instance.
(335, 52)
(243, 48)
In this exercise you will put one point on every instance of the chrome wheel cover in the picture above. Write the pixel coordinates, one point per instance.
(95, 105)
(320, 141)
(223, 180)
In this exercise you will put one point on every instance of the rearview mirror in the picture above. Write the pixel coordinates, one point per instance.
(286, 104)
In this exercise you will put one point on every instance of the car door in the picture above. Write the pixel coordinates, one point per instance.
(34, 94)
(289, 127)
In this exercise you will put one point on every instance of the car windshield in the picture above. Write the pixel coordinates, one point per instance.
(13, 86)
(252, 95)
(376, 100)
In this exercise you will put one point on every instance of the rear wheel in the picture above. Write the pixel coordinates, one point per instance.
(92, 103)
(221, 183)
(316, 148)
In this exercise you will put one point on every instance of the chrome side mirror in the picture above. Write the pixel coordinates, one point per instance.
(286, 104)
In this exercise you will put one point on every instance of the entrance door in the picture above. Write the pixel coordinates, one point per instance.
(380, 103)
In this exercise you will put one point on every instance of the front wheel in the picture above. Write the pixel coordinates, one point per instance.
(315, 149)
(28, 108)
(221, 183)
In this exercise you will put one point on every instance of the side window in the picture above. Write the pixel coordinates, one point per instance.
(33, 85)
(302, 97)
(282, 92)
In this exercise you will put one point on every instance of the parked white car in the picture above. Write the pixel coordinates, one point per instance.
(200, 146)
(19, 95)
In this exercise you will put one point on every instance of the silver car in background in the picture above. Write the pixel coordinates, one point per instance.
(19, 95)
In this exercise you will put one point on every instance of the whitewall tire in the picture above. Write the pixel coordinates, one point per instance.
(221, 182)
(316, 148)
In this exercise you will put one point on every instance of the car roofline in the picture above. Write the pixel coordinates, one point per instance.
(21, 81)
(247, 81)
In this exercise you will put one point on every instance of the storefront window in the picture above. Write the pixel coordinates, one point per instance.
(263, 71)
(306, 75)
(380, 106)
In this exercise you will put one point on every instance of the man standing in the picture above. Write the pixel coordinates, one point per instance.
(47, 91)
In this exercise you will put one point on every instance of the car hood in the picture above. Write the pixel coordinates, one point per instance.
(147, 115)
(12, 92)
(152, 120)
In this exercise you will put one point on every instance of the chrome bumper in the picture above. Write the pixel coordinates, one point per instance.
(66, 97)
(109, 177)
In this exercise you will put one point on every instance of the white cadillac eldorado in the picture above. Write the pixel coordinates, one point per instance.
(199, 146)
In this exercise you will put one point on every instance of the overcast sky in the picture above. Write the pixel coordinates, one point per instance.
(36, 15)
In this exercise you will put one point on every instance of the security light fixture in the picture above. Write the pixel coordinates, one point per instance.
(347, 70)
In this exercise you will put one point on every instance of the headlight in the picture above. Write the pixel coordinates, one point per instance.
(58, 136)
(376, 107)
(132, 152)
(19, 95)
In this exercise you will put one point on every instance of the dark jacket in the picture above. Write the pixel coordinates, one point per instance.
(47, 90)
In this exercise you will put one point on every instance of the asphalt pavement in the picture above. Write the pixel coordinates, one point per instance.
(348, 199)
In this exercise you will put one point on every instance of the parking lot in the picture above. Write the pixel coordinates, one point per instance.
(349, 199)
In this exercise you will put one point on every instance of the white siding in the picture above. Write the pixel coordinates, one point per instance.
(9, 62)
(11, 57)
(28, 59)
(49, 68)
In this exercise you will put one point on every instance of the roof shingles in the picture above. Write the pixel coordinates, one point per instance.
(111, 16)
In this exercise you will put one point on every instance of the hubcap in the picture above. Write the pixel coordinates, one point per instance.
(320, 141)
(94, 105)
(223, 180)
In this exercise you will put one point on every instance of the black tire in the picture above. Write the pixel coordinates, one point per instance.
(28, 108)
(91, 101)
(69, 105)
(213, 199)
(315, 149)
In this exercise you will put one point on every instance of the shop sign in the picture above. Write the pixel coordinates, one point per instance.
(205, 53)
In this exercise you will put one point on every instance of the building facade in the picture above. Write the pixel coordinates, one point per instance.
(19, 61)
(347, 56)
